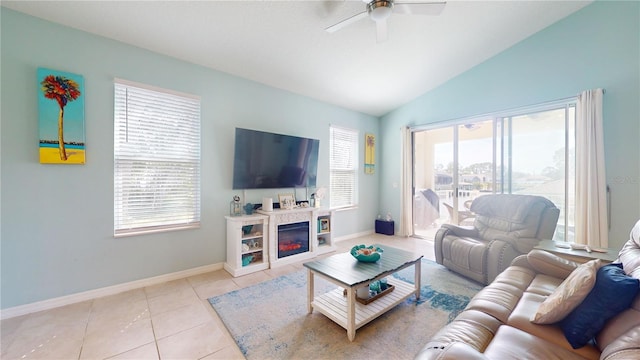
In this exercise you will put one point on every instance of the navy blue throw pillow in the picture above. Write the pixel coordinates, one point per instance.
(612, 293)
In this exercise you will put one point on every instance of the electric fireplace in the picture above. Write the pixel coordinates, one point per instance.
(293, 239)
(291, 235)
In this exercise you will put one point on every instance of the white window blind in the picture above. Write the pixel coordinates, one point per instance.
(343, 166)
(156, 159)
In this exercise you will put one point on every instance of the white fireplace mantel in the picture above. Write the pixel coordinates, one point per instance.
(283, 216)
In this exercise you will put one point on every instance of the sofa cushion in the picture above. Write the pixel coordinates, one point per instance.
(544, 285)
(613, 292)
(619, 325)
(519, 319)
(568, 295)
(626, 346)
(499, 298)
(511, 343)
(474, 328)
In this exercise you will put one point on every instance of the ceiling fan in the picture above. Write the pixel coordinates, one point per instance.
(380, 10)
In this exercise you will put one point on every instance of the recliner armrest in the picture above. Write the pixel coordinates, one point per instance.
(464, 231)
(522, 244)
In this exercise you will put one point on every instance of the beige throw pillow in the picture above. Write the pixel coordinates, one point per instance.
(568, 295)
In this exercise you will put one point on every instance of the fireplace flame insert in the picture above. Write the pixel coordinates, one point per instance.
(293, 239)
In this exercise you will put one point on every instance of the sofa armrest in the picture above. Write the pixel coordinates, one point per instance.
(550, 264)
(461, 231)
(453, 351)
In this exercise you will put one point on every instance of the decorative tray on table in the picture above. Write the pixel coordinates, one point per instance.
(373, 298)
(377, 296)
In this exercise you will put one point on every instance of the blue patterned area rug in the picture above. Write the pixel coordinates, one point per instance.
(270, 321)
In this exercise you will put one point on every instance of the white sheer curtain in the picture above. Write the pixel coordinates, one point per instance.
(591, 187)
(406, 184)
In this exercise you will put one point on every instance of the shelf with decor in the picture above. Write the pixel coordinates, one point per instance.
(247, 244)
(324, 242)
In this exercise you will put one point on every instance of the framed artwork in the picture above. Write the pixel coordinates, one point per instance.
(369, 153)
(287, 201)
(61, 117)
(324, 225)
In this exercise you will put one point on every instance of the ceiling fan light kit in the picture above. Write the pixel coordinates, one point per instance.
(380, 10)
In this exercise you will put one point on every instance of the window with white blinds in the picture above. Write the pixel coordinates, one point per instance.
(156, 159)
(343, 166)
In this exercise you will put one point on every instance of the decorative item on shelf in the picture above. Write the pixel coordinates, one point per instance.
(247, 229)
(363, 292)
(246, 260)
(245, 247)
(383, 284)
(324, 225)
(267, 204)
(234, 206)
(318, 195)
(248, 208)
(364, 253)
(287, 201)
(375, 290)
(374, 287)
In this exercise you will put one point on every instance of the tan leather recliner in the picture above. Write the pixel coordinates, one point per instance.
(506, 226)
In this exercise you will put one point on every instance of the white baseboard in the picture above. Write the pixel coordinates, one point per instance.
(105, 291)
(115, 289)
(353, 236)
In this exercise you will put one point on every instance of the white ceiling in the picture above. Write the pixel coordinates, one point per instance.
(283, 43)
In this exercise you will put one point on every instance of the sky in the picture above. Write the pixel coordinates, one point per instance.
(531, 152)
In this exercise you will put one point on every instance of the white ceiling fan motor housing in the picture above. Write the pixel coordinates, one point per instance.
(379, 10)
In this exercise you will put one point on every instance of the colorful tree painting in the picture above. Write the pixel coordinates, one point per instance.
(369, 153)
(62, 90)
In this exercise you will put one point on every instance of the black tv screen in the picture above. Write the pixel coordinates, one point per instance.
(264, 160)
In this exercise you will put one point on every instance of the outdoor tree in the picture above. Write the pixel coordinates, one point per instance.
(62, 90)
(479, 168)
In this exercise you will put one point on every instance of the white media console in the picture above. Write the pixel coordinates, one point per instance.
(270, 239)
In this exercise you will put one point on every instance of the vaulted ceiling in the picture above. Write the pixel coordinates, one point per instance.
(283, 44)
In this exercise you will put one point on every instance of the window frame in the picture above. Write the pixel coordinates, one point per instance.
(350, 167)
(500, 152)
(144, 133)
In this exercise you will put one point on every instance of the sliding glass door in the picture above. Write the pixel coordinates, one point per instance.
(452, 166)
(528, 152)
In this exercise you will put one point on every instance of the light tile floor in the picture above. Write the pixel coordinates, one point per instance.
(172, 320)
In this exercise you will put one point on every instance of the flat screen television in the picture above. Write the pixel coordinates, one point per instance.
(264, 160)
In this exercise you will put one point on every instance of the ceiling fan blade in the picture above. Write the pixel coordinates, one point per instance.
(381, 31)
(419, 8)
(345, 22)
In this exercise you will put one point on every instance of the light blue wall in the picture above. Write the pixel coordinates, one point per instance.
(57, 220)
(598, 46)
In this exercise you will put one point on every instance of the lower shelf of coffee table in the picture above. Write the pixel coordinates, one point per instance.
(334, 304)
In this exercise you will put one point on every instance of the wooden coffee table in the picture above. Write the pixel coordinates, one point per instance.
(350, 274)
